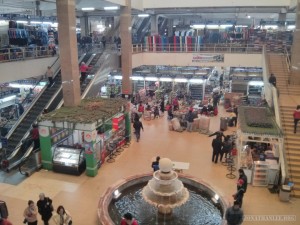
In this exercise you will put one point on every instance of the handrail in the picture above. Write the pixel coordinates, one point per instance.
(32, 103)
(288, 63)
(22, 53)
(217, 48)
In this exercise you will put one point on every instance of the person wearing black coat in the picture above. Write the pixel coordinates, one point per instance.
(217, 148)
(45, 208)
(243, 176)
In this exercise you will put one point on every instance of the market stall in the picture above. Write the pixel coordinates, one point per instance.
(259, 144)
(77, 138)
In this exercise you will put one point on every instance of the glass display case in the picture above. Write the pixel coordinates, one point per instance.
(68, 160)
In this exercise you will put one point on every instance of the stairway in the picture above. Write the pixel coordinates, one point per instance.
(277, 65)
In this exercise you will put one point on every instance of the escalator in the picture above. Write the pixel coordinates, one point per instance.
(16, 154)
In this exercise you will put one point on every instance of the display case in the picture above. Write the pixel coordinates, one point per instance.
(246, 162)
(68, 160)
(118, 124)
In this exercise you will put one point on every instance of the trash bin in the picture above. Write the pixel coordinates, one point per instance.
(223, 123)
(284, 193)
(38, 159)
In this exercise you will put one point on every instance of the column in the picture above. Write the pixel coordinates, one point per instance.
(84, 25)
(154, 25)
(170, 27)
(295, 62)
(38, 11)
(282, 20)
(126, 48)
(68, 51)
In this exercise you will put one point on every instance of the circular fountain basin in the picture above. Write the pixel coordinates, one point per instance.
(199, 209)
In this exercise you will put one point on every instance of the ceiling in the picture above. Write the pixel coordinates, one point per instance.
(48, 8)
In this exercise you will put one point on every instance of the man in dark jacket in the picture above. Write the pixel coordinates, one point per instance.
(45, 208)
(217, 148)
(234, 215)
(243, 176)
(272, 80)
(189, 119)
(137, 125)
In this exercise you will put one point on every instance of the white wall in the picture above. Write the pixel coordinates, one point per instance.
(212, 3)
(18, 70)
(185, 59)
(137, 4)
(118, 2)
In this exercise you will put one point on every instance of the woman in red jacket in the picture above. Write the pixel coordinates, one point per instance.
(296, 117)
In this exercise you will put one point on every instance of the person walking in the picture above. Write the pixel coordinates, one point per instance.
(226, 148)
(234, 215)
(45, 208)
(243, 176)
(239, 195)
(272, 80)
(217, 148)
(83, 70)
(30, 214)
(62, 216)
(137, 125)
(189, 119)
(296, 116)
(49, 74)
(128, 220)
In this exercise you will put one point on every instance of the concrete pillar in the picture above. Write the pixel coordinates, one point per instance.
(154, 25)
(68, 51)
(38, 11)
(84, 25)
(126, 48)
(295, 62)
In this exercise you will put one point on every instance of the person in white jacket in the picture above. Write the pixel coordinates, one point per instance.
(62, 216)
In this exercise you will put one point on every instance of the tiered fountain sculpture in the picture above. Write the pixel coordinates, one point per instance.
(165, 191)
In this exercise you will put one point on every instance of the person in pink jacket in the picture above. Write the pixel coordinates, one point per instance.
(296, 117)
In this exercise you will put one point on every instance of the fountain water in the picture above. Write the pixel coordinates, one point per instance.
(165, 191)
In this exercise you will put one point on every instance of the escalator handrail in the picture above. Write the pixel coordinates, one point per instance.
(18, 147)
(16, 163)
(32, 103)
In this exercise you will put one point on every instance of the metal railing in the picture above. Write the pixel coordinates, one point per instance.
(218, 48)
(288, 63)
(22, 53)
(271, 94)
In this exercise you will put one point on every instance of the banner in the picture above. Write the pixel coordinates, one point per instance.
(207, 58)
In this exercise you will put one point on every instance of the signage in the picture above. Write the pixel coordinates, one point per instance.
(207, 58)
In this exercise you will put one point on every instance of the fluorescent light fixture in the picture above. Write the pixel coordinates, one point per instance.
(196, 81)
(257, 83)
(271, 26)
(225, 25)
(54, 24)
(111, 8)
(241, 26)
(198, 26)
(212, 26)
(181, 80)
(22, 21)
(35, 22)
(174, 26)
(100, 26)
(7, 99)
(248, 17)
(137, 78)
(88, 9)
(47, 22)
(118, 77)
(151, 78)
(165, 79)
(16, 85)
(200, 73)
(143, 15)
(291, 27)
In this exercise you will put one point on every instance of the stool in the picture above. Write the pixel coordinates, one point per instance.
(231, 168)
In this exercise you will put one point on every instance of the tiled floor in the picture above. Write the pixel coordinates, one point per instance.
(80, 195)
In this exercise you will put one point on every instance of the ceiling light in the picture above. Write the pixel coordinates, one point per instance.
(241, 26)
(256, 83)
(88, 9)
(36, 22)
(118, 77)
(225, 25)
(111, 8)
(137, 78)
(271, 26)
(143, 15)
(212, 26)
(22, 21)
(196, 81)
(174, 26)
(291, 27)
(198, 26)
(151, 78)
(166, 79)
(47, 22)
(248, 17)
(180, 80)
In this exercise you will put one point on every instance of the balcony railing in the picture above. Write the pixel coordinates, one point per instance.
(22, 53)
(218, 48)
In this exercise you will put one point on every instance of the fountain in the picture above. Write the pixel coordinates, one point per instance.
(162, 198)
(165, 191)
